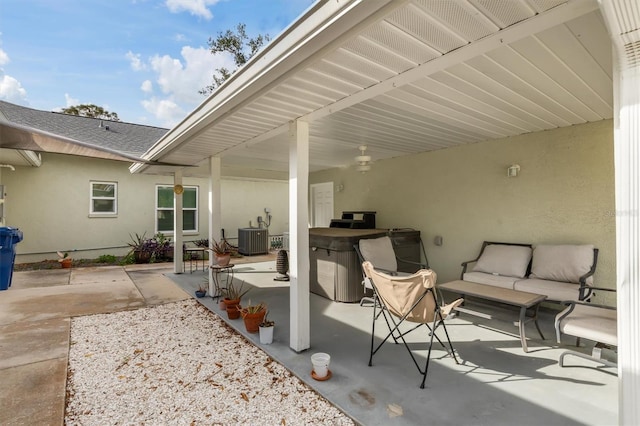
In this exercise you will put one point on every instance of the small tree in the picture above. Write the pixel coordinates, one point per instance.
(241, 48)
(90, 110)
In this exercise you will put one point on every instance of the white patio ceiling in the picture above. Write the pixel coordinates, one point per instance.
(403, 77)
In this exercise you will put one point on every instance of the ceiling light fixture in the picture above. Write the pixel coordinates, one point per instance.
(363, 161)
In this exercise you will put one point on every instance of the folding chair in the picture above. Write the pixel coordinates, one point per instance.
(379, 251)
(408, 298)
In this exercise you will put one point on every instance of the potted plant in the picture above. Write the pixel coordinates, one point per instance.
(222, 251)
(253, 316)
(202, 289)
(232, 296)
(266, 330)
(141, 248)
(64, 259)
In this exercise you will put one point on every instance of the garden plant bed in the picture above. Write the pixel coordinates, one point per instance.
(77, 263)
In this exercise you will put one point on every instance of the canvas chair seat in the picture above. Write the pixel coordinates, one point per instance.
(408, 298)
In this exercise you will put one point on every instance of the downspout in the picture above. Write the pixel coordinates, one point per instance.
(8, 166)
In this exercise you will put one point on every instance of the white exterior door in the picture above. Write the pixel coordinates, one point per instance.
(321, 204)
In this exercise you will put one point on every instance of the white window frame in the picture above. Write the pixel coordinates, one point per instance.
(196, 209)
(114, 199)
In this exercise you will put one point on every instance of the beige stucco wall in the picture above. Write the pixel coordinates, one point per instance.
(50, 204)
(564, 194)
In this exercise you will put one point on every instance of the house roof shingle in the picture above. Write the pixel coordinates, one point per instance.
(126, 138)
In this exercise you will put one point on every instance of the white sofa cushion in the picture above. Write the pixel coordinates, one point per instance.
(561, 262)
(490, 279)
(591, 322)
(506, 260)
(554, 290)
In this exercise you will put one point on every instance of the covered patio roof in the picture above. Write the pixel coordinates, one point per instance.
(406, 77)
(402, 77)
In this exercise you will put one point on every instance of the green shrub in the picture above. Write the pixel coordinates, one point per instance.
(107, 258)
(128, 259)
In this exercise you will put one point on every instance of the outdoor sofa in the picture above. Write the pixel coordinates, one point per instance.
(560, 272)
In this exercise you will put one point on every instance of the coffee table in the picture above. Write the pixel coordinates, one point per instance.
(521, 299)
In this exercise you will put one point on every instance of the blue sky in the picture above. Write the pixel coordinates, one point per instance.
(143, 59)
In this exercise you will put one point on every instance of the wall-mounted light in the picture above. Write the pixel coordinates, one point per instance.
(513, 170)
(363, 161)
(340, 188)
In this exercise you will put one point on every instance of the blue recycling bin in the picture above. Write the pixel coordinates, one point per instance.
(9, 237)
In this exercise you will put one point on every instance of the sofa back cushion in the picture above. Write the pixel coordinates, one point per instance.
(503, 259)
(561, 262)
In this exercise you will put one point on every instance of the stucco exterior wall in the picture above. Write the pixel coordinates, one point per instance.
(564, 194)
(50, 204)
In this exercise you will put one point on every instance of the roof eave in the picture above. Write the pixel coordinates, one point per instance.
(300, 43)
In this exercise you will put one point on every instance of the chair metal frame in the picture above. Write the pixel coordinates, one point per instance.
(596, 353)
(394, 322)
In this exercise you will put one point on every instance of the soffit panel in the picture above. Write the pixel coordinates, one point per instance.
(553, 78)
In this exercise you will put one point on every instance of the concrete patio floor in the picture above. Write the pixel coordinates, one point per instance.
(495, 384)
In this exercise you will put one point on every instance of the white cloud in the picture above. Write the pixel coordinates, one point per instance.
(134, 60)
(69, 101)
(147, 86)
(11, 90)
(183, 78)
(180, 38)
(194, 7)
(4, 58)
(167, 111)
(176, 82)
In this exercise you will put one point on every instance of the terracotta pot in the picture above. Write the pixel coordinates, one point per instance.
(66, 263)
(223, 259)
(233, 308)
(141, 256)
(252, 321)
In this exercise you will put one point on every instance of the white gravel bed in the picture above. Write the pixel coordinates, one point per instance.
(180, 364)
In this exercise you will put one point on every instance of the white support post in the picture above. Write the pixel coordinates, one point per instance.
(178, 258)
(300, 333)
(215, 210)
(624, 28)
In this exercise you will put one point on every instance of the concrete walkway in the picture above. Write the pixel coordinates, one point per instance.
(35, 323)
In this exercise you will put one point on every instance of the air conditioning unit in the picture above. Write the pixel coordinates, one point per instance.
(253, 241)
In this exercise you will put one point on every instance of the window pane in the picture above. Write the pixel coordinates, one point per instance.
(189, 220)
(103, 190)
(165, 220)
(104, 206)
(189, 198)
(165, 197)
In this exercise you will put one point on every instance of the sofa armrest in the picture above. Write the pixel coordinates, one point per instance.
(586, 291)
(465, 264)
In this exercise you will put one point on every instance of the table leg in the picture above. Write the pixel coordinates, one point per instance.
(215, 292)
(523, 338)
(535, 320)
